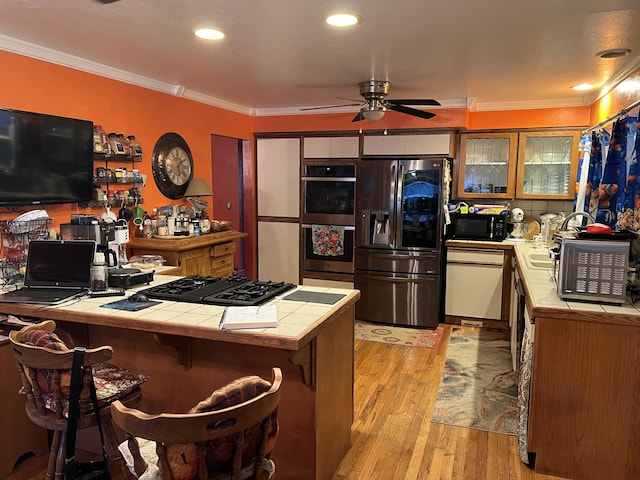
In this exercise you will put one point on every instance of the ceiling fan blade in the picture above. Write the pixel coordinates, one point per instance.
(350, 99)
(358, 117)
(426, 101)
(412, 111)
(334, 106)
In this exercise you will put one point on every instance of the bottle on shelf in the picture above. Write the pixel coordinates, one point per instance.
(115, 146)
(100, 141)
(136, 148)
(125, 144)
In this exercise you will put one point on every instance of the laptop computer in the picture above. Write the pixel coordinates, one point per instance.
(56, 271)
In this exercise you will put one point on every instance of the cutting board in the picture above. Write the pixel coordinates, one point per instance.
(314, 297)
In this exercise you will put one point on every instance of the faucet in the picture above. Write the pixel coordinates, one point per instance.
(576, 214)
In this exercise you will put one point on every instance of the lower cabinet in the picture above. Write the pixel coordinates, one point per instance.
(278, 251)
(24, 436)
(207, 255)
(478, 287)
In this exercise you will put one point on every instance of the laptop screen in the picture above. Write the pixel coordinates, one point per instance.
(59, 263)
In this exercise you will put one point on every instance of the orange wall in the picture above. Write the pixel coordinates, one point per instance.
(625, 94)
(32, 85)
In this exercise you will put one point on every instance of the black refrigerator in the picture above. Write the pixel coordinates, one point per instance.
(398, 247)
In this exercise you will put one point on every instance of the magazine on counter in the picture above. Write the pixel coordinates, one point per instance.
(235, 318)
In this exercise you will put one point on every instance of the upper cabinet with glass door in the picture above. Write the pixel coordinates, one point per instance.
(547, 165)
(487, 166)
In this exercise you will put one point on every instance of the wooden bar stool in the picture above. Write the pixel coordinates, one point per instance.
(230, 435)
(44, 363)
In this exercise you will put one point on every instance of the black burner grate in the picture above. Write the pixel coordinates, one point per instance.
(218, 291)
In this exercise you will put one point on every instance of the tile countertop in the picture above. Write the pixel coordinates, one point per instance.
(540, 288)
(542, 298)
(299, 322)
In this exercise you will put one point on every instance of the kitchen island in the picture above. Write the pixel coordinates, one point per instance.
(187, 355)
(584, 420)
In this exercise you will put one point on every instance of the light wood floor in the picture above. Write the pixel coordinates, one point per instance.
(393, 437)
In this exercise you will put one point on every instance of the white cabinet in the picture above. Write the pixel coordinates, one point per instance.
(278, 177)
(428, 144)
(331, 147)
(474, 283)
(278, 251)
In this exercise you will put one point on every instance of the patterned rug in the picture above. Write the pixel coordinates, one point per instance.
(478, 386)
(414, 337)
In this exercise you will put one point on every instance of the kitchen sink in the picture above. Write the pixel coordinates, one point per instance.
(540, 261)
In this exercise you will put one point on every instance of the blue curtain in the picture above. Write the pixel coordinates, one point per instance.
(611, 192)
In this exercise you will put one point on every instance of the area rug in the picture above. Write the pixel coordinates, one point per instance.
(414, 337)
(478, 386)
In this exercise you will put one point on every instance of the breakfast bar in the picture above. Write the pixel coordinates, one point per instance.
(187, 356)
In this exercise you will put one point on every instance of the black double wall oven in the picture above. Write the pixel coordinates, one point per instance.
(328, 217)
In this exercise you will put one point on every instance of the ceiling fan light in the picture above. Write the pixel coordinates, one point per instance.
(373, 115)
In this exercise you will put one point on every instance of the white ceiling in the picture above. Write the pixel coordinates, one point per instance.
(279, 56)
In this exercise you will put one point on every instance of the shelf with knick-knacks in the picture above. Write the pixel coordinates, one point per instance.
(109, 179)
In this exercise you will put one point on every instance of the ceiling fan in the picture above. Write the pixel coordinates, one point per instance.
(375, 105)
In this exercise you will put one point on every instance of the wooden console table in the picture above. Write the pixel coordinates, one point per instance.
(209, 254)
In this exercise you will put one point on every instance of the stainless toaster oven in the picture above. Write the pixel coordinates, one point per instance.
(593, 270)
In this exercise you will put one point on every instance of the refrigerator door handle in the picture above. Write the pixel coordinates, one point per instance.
(392, 219)
(399, 180)
(404, 256)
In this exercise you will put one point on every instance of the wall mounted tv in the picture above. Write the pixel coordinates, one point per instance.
(44, 159)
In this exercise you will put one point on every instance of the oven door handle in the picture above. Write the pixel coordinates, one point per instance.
(329, 179)
(422, 278)
(346, 227)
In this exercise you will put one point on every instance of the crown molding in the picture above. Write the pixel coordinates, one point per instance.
(531, 104)
(49, 55)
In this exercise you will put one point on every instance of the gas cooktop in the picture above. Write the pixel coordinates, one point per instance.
(235, 290)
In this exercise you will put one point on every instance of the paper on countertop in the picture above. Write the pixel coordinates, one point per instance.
(235, 318)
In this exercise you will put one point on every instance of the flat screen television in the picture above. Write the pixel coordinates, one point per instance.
(44, 159)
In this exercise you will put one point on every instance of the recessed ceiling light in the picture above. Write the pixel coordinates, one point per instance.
(583, 86)
(342, 19)
(613, 53)
(210, 34)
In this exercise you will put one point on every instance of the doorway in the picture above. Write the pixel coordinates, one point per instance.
(232, 182)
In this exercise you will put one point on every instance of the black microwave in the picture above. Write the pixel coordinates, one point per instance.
(477, 226)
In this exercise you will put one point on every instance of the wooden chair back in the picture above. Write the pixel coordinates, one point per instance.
(46, 377)
(199, 429)
(36, 364)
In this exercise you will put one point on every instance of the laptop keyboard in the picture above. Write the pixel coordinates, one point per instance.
(43, 294)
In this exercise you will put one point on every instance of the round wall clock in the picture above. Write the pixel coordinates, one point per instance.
(172, 165)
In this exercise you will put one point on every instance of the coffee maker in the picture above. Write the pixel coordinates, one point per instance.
(103, 233)
(519, 227)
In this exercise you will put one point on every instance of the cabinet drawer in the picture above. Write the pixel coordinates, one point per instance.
(223, 249)
(486, 257)
(222, 266)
